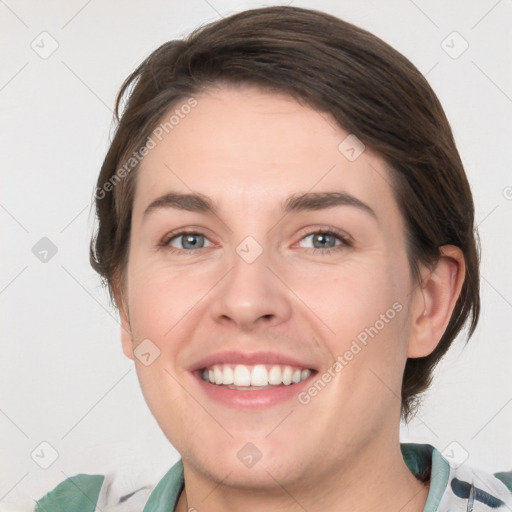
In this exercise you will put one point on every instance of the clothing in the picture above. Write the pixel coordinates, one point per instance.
(451, 489)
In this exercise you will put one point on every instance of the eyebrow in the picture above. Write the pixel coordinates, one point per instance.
(196, 202)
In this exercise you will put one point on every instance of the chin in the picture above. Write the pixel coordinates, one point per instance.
(248, 464)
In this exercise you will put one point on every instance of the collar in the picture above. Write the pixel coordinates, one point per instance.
(424, 461)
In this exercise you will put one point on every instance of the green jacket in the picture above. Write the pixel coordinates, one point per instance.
(452, 488)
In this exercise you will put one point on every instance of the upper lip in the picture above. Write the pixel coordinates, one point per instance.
(248, 358)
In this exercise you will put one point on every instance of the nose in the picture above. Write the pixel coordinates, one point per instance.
(252, 293)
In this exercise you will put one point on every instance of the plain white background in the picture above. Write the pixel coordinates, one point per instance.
(64, 379)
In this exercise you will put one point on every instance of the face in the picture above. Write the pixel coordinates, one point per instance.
(319, 284)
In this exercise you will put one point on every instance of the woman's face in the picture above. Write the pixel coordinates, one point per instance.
(257, 276)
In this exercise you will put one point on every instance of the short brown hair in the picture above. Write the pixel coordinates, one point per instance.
(372, 91)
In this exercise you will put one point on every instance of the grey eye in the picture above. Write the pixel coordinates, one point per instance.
(322, 240)
(189, 241)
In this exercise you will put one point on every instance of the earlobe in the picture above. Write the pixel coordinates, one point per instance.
(435, 300)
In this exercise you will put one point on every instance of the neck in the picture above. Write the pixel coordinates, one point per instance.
(374, 479)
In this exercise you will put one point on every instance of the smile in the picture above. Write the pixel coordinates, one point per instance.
(251, 387)
(254, 376)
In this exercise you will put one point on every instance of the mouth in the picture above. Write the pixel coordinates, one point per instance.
(259, 376)
(253, 386)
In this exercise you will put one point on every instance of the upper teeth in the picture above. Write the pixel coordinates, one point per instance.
(257, 375)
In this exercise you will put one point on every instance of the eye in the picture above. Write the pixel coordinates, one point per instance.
(325, 241)
(184, 241)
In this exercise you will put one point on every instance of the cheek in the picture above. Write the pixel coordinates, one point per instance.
(364, 311)
(160, 298)
(151, 313)
(158, 306)
(350, 298)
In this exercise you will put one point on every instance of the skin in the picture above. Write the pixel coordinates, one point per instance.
(248, 150)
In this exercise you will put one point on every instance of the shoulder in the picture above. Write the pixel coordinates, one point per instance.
(79, 492)
(480, 489)
(117, 491)
(88, 493)
(455, 484)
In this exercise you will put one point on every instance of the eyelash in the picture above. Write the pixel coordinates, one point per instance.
(345, 242)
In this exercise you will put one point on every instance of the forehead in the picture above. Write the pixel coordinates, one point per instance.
(240, 145)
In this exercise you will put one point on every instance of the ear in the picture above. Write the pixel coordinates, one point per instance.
(434, 300)
(126, 331)
(126, 335)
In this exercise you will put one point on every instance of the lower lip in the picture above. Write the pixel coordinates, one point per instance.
(252, 399)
